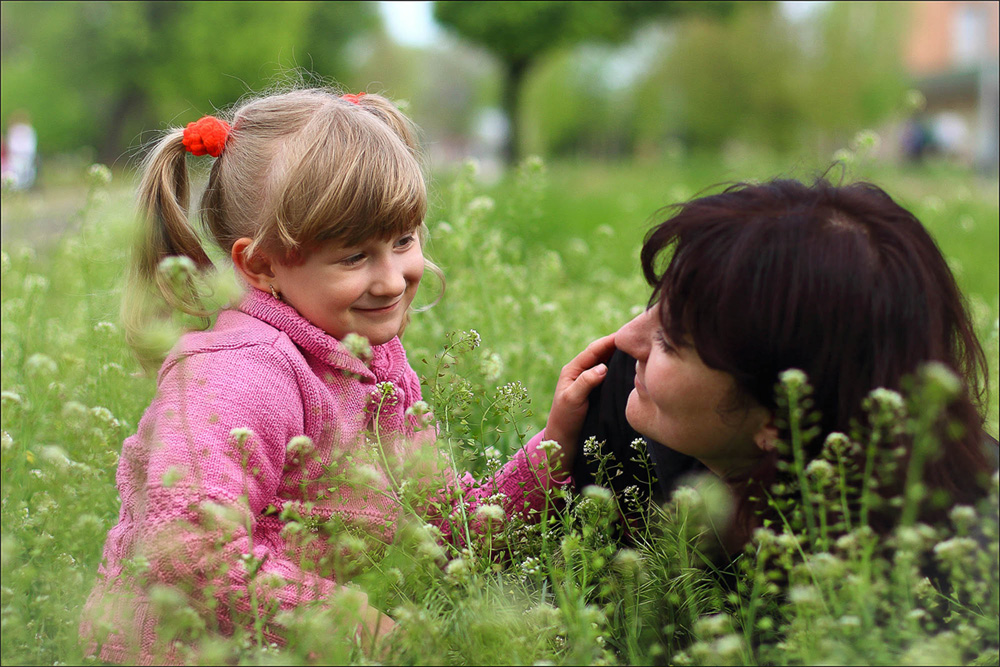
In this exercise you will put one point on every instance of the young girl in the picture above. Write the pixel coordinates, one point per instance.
(319, 200)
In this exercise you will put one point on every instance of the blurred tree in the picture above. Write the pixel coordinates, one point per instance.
(519, 33)
(101, 73)
(766, 80)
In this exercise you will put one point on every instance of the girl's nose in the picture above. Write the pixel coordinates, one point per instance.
(635, 337)
(389, 279)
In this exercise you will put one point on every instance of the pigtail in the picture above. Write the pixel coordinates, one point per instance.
(151, 294)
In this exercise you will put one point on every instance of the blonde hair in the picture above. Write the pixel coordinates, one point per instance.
(298, 168)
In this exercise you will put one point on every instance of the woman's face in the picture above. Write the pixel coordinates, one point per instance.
(687, 406)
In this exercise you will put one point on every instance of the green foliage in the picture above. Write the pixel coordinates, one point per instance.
(537, 266)
(98, 74)
(520, 33)
(765, 80)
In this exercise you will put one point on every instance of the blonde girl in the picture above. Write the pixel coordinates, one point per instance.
(318, 199)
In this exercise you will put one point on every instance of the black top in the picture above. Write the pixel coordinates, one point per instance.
(606, 422)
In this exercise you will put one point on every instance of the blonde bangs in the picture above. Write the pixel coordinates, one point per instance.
(348, 178)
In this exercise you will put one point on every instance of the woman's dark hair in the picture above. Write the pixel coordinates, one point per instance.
(840, 282)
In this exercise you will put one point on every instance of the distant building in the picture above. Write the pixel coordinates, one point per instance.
(951, 49)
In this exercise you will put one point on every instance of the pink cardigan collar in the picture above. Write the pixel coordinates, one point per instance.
(388, 360)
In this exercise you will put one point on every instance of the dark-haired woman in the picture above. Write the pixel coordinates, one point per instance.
(840, 282)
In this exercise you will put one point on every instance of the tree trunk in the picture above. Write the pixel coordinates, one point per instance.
(127, 113)
(514, 73)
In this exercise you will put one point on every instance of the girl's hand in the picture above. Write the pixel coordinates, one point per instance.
(569, 403)
(375, 627)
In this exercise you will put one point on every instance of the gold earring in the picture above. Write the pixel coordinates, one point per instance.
(275, 293)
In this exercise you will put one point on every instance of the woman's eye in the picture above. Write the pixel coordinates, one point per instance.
(664, 342)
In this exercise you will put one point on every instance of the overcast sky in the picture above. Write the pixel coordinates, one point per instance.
(412, 24)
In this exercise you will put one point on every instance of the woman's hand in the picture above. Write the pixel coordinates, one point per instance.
(569, 403)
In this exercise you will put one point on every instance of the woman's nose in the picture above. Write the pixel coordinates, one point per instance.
(634, 338)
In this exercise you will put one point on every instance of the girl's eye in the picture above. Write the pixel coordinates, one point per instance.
(353, 259)
(406, 241)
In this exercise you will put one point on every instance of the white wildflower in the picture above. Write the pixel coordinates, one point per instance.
(56, 456)
(712, 625)
(491, 366)
(914, 100)
(6, 442)
(591, 447)
(490, 513)
(106, 328)
(793, 378)
(35, 283)
(940, 376)
(358, 346)
(104, 416)
(962, 517)
(367, 476)
(764, 537)
(481, 205)
(844, 155)
(888, 399)
(866, 141)
(40, 364)
(549, 446)
(956, 550)
(458, 570)
(177, 268)
(241, 435)
(628, 560)
(173, 475)
(531, 566)
(803, 595)
(820, 471)
(686, 497)
(11, 397)
(597, 493)
(298, 447)
(99, 175)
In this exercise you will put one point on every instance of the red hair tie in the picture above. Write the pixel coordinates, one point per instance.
(353, 98)
(206, 136)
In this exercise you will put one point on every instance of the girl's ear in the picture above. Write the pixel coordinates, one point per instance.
(766, 437)
(256, 269)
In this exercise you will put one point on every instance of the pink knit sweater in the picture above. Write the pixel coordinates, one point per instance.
(213, 476)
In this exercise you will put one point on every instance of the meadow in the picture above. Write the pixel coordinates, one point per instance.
(537, 266)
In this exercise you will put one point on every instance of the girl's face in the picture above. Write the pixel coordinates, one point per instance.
(685, 405)
(364, 289)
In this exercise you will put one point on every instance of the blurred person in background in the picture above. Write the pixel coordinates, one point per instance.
(20, 152)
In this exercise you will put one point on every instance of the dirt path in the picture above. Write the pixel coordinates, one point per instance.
(40, 217)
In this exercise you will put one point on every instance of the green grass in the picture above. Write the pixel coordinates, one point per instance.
(539, 264)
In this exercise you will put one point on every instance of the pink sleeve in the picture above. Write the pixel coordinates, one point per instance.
(215, 442)
(521, 487)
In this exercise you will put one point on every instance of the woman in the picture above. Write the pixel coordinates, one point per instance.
(837, 281)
